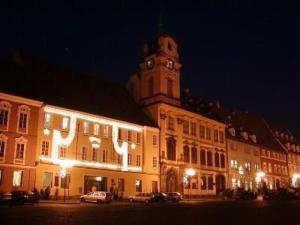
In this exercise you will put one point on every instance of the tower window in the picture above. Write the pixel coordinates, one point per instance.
(170, 88)
(169, 46)
(150, 87)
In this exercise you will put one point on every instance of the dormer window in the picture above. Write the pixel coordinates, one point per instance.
(253, 138)
(4, 115)
(170, 47)
(23, 118)
(244, 135)
(231, 130)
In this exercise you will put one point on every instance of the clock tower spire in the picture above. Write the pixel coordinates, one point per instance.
(159, 76)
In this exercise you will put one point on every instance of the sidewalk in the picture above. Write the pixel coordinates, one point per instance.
(60, 201)
(204, 199)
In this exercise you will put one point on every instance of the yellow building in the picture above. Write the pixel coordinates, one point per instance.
(192, 144)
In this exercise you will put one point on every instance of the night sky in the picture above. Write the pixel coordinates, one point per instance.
(245, 54)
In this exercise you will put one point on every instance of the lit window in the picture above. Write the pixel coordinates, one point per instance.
(129, 159)
(105, 131)
(186, 127)
(138, 160)
(47, 120)
(94, 154)
(138, 186)
(138, 138)
(129, 135)
(85, 127)
(17, 178)
(154, 162)
(96, 129)
(45, 148)
(84, 153)
(247, 166)
(270, 168)
(65, 123)
(234, 164)
(154, 140)
(62, 152)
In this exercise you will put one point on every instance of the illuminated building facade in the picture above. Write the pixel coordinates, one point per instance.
(189, 138)
(18, 138)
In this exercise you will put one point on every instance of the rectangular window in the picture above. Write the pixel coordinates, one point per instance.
(138, 138)
(23, 120)
(138, 185)
(105, 131)
(210, 182)
(129, 136)
(234, 164)
(121, 184)
(65, 123)
(154, 140)
(256, 166)
(270, 168)
(203, 183)
(193, 128)
(2, 148)
(208, 133)
(47, 120)
(186, 127)
(94, 154)
(216, 136)
(45, 148)
(138, 160)
(170, 123)
(17, 178)
(104, 156)
(154, 186)
(154, 162)
(56, 181)
(202, 131)
(3, 117)
(96, 129)
(129, 159)
(84, 153)
(221, 136)
(119, 159)
(85, 127)
(47, 179)
(248, 166)
(20, 151)
(62, 152)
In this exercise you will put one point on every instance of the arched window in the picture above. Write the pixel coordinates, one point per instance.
(186, 154)
(150, 86)
(202, 157)
(217, 162)
(171, 149)
(194, 155)
(209, 158)
(222, 160)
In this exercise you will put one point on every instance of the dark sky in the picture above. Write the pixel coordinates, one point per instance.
(244, 53)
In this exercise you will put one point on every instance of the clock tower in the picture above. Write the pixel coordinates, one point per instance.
(159, 76)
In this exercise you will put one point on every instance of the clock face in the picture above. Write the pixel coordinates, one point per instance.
(150, 63)
(170, 64)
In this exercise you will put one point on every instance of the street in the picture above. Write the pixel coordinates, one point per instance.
(208, 213)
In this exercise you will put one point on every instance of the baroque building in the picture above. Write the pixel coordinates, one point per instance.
(189, 139)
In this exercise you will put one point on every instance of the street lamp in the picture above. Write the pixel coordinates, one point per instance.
(295, 178)
(63, 174)
(190, 172)
(258, 178)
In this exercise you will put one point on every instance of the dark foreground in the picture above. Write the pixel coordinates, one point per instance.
(204, 213)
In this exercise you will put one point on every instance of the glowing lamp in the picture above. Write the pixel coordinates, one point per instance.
(190, 172)
(98, 178)
(46, 131)
(133, 146)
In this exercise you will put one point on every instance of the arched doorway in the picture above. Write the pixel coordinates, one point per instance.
(171, 180)
(220, 183)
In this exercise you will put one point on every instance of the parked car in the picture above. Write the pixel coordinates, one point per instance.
(270, 195)
(23, 197)
(142, 197)
(160, 197)
(97, 197)
(242, 194)
(174, 196)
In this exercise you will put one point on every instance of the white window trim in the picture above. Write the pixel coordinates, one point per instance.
(23, 109)
(20, 140)
(6, 106)
(4, 139)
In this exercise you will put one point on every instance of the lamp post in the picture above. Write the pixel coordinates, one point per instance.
(190, 172)
(63, 174)
(295, 178)
(258, 179)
